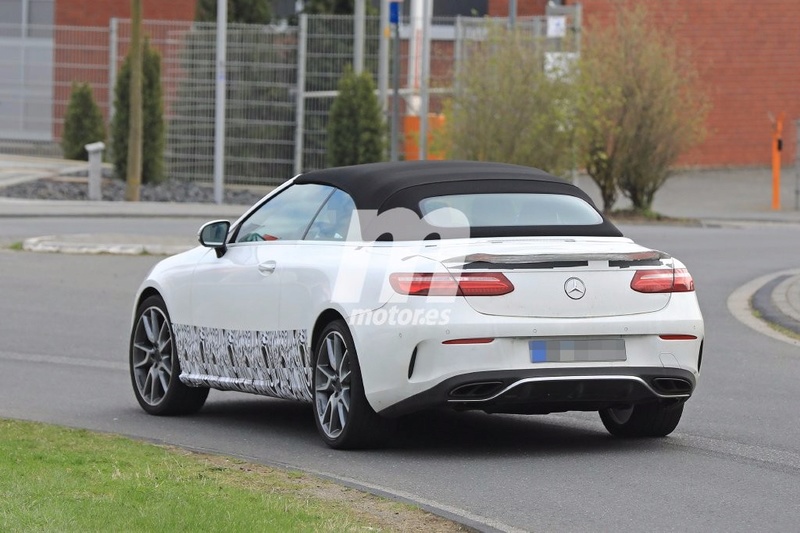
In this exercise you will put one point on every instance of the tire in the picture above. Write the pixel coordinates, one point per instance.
(344, 418)
(644, 420)
(154, 365)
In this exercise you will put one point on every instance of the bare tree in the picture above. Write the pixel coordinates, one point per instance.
(639, 107)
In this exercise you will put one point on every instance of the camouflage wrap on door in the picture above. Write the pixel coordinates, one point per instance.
(270, 363)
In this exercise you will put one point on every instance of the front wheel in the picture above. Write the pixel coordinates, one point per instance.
(343, 415)
(644, 420)
(154, 364)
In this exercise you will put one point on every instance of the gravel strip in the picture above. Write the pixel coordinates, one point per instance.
(114, 190)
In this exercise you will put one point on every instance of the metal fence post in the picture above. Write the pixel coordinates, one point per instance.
(458, 53)
(383, 58)
(113, 51)
(424, 82)
(300, 109)
(219, 102)
(395, 135)
(359, 31)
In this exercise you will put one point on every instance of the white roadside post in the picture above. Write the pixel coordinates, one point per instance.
(95, 151)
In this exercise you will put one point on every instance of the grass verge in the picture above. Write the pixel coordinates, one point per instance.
(57, 479)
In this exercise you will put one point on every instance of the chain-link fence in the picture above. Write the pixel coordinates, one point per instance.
(260, 105)
(329, 48)
(281, 83)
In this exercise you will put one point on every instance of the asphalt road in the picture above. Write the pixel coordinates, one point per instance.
(732, 465)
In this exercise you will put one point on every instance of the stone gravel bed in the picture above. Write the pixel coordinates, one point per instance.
(114, 190)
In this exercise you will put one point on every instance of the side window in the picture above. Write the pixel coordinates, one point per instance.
(286, 216)
(333, 221)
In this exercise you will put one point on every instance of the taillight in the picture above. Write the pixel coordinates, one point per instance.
(466, 284)
(662, 280)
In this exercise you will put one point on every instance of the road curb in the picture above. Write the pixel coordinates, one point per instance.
(68, 245)
(786, 298)
(740, 304)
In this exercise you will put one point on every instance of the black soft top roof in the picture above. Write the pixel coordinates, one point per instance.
(383, 186)
(371, 186)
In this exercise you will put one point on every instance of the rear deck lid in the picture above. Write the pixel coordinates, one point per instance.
(565, 278)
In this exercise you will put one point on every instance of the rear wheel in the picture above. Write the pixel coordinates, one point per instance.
(154, 364)
(644, 420)
(344, 417)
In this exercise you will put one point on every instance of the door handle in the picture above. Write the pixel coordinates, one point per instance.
(267, 267)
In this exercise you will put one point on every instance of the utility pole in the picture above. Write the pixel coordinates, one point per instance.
(134, 180)
(394, 21)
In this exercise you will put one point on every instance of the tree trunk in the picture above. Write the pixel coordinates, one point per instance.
(609, 196)
(135, 130)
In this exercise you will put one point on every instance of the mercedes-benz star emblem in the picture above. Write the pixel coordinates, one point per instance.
(574, 288)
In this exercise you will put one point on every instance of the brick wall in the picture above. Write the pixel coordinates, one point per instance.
(98, 13)
(748, 58)
(525, 8)
(81, 43)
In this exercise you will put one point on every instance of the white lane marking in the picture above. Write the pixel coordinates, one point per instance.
(753, 452)
(62, 360)
(689, 442)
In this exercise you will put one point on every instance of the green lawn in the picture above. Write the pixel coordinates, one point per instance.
(56, 479)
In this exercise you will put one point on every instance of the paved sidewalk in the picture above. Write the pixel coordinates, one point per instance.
(19, 169)
(734, 195)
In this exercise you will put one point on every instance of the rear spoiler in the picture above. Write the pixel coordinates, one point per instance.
(622, 260)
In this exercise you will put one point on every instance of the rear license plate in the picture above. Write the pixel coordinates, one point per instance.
(577, 350)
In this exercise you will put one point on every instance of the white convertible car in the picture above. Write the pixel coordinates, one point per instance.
(381, 290)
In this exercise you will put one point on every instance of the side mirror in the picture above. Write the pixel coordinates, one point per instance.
(214, 235)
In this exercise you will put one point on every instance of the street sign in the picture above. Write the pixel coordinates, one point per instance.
(394, 12)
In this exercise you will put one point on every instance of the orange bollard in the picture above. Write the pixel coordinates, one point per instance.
(777, 146)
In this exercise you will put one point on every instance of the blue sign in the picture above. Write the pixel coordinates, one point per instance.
(394, 12)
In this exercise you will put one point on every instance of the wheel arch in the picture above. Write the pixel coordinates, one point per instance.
(147, 293)
(144, 294)
(326, 317)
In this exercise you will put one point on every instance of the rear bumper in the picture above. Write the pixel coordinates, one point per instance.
(548, 390)
(404, 364)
